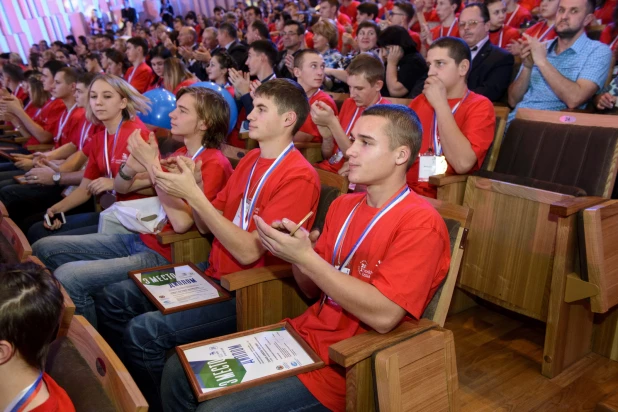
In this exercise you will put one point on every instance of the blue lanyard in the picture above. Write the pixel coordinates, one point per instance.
(339, 242)
(29, 395)
(200, 150)
(434, 130)
(246, 214)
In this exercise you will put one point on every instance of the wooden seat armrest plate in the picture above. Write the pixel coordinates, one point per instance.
(166, 238)
(307, 145)
(40, 147)
(442, 180)
(567, 207)
(350, 351)
(249, 277)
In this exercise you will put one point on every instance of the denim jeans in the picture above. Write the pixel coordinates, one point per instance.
(85, 264)
(287, 394)
(80, 224)
(141, 335)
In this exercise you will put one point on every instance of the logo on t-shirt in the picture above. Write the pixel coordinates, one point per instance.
(364, 270)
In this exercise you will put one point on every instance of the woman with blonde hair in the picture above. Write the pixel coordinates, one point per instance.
(38, 96)
(114, 104)
(176, 76)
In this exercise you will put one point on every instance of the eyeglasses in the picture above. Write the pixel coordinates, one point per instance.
(472, 24)
(392, 13)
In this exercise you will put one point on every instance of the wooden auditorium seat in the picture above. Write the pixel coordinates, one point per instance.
(13, 241)
(84, 365)
(527, 243)
(267, 295)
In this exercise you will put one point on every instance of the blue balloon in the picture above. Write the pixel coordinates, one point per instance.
(228, 98)
(162, 103)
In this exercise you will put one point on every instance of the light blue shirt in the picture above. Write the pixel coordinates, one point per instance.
(585, 59)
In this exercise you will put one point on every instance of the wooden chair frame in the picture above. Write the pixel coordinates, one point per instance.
(16, 238)
(523, 254)
(267, 295)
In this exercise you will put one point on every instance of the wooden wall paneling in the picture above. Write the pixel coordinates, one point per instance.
(568, 336)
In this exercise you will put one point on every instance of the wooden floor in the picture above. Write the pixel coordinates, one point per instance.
(499, 367)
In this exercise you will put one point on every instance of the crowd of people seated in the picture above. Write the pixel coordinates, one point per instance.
(287, 65)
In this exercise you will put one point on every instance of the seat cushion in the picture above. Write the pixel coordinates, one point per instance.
(569, 155)
(530, 182)
(327, 195)
(67, 367)
(7, 253)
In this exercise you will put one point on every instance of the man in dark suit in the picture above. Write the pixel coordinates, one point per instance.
(293, 35)
(129, 13)
(227, 36)
(187, 45)
(492, 66)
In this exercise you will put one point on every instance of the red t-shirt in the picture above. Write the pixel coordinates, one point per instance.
(405, 256)
(476, 120)
(348, 116)
(417, 39)
(430, 16)
(96, 158)
(309, 39)
(609, 36)
(309, 127)
(186, 83)
(605, 13)
(48, 118)
(383, 9)
(216, 170)
(89, 131)
(530, 4)
(343, 19)
(20, 93)
(142, 77)
(31, 110)
(71, 131)
(504, 36)
(58, 400)
(155, 84)
(350, 10)
(540, 31)
(278, 198)
(518, 17)
(441, 31)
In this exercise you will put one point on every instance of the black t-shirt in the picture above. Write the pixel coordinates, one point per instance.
(411, 72)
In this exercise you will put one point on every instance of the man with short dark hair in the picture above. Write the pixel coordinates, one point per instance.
(492, 66)
(258, 30)
(30, 308)
(366, 11)
(92, 62)
(252, 13)
(139, 75)
(293, 36)
(227, 36)
(565, 72)
(392, 258)
(458, 124)
(128, 13)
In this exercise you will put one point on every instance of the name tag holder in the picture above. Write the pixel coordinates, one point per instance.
(430, 165)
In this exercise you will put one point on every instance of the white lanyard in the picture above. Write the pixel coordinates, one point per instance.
(132, 73)
(246, 214)
(28, 105)
(347, 131)
(508, 23)
(450, 29)
(63, 122)
(341, 236)
(314, 94)
(501, 34)
(546, 32)
(84, 134)
(107, 159)
(17, 89)
(434, 130)
(200, 150)
(611, 46)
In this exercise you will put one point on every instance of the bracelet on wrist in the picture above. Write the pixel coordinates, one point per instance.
(123, 175)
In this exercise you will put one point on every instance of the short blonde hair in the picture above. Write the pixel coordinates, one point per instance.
(329, 30)
(135, 101)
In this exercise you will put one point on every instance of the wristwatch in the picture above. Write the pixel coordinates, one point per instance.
(56, 178)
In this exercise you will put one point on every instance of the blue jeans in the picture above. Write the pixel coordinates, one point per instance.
(85, 264)
(142, 336)
(80, 224)
(287, 394)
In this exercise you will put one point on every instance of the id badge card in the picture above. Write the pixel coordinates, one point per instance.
(331, 302)
(336, 158)
(430, 165)
(237, 219)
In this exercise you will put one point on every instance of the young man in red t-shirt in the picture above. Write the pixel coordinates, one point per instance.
(348, 7)
(31, 308)
(309, 72)
(139, 75)
(458, 124)
(516, 15)
(266, 182)
(500, 34)
(371, 282)
(365, 79)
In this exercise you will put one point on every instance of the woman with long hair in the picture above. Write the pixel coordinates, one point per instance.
(406, 69)
(176, 76)
(114, 104)
(158, 55)
(117, 62)
(218, 69)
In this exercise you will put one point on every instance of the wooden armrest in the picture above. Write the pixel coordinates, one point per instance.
(567, 207)
(19, 139)
(40, 147)
(169, 237)
(353, 350)
(442, 180)
(244, 278)
(307, 145)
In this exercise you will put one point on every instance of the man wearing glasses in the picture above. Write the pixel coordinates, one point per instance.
(492, 66)
(293, 34)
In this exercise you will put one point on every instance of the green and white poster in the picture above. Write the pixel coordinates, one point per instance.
(231, 362)
(177, 286)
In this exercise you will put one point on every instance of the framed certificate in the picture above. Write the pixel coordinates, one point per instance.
(232, 363)
(173, 288)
